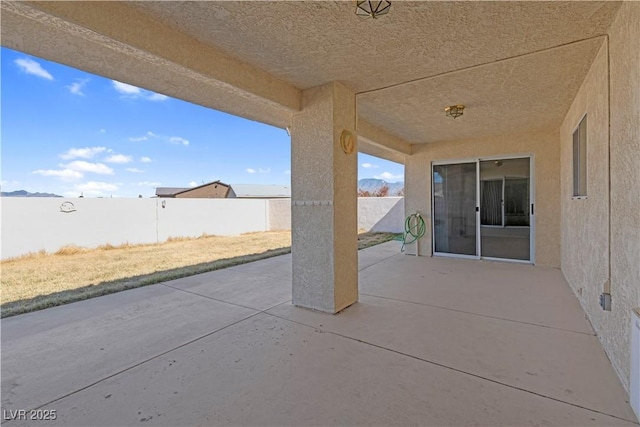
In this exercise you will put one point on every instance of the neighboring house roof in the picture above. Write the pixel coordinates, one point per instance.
(259, 191)
(169, 191)
(247, 191)
(187, 190)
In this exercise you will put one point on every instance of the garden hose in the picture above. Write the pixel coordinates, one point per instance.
(414, 229)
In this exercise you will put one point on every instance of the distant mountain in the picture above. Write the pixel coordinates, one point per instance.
(23, 193)
(372, 187)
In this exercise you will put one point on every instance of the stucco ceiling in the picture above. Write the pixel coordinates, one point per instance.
(441, 44)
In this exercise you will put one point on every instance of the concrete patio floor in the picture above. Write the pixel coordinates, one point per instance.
(433, 341)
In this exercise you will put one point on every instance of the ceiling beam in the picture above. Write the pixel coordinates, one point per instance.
(377, 142)
(116, 27)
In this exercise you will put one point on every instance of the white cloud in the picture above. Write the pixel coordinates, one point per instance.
(134, 92)
(125, 89)
(388, 176)
(66, 174)
(149, 184)
(138, 138)
(134, 170)
(171, 139)
(145, 159)
(93, 188)
(157, 97)
(30, 66)
(82, 166)
(77, 86)
(118, 158)
(179, 140)
(82, 153)
(93, 185)
(369, 165)
(287, 172)
(193, 184)
(102, 131)
(259, 170)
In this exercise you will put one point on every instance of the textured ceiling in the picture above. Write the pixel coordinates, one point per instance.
(517, 66)
(501, 59)
(532, 91)
(312, 43)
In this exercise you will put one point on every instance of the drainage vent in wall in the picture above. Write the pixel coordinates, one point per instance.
(635, 361)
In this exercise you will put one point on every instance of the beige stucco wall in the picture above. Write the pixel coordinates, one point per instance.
(543, 145)
(279, 214)
(585, 223)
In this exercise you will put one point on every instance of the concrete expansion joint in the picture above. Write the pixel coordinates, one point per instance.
(206, 296)
(461, 371)
(377, 262)
(481, 315)
(121, 371)
(135, 365)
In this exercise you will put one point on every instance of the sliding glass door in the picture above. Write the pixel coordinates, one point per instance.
(454, 208)
(483, 209)
(504, 209)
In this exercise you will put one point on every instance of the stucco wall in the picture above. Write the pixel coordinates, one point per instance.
(381, 214)
(374, 214)
(324, 237)
(34, 224)
(192, 217)
(543, 145)
(585, 223)
(279, 214)
(625, 184)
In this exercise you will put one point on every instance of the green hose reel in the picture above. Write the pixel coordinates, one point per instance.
(414, 229)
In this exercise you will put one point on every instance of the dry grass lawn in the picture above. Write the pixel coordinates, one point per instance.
(37, 281)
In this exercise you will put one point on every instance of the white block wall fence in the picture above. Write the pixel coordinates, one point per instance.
(34, 224)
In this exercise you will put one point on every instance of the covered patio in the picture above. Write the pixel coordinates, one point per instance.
(433, 341)
(417, 340)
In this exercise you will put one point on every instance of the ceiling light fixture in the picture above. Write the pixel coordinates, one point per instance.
(372, 8)
(454, 111)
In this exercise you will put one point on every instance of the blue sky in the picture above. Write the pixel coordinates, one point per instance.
(68, 132)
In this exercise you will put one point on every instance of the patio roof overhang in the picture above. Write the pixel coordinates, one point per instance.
(514, 65)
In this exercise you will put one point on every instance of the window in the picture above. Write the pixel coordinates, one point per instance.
(580, 159)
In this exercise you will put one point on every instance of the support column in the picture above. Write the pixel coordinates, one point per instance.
(417, 198)
(324, 201)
